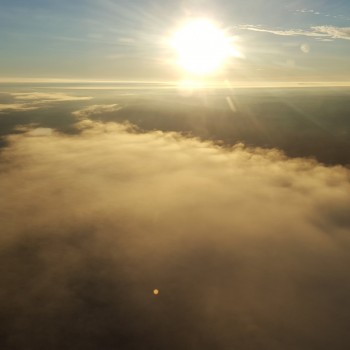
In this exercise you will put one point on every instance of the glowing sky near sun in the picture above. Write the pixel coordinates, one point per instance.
(202, 47)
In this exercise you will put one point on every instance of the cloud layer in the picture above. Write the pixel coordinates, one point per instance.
(249, 249)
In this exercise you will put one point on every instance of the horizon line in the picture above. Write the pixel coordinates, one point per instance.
(198, 83)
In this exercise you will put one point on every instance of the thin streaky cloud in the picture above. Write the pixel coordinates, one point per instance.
(29, 101)
(326, 32)
(289, 32)
(16, 107)
(95, 109)
(44, 97)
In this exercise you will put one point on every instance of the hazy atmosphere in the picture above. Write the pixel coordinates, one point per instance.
(174, 175)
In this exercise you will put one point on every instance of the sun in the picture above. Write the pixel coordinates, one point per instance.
(202, 48)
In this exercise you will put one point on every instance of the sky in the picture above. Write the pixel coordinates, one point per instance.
(283, 41)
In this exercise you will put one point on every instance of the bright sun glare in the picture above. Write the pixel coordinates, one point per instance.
(202, 48)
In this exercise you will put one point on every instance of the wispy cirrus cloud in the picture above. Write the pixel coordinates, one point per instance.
(308, 11)
(318, 13)
(318, 32)
(334, 32)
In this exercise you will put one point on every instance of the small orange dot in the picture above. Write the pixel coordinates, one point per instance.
(156, 292)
